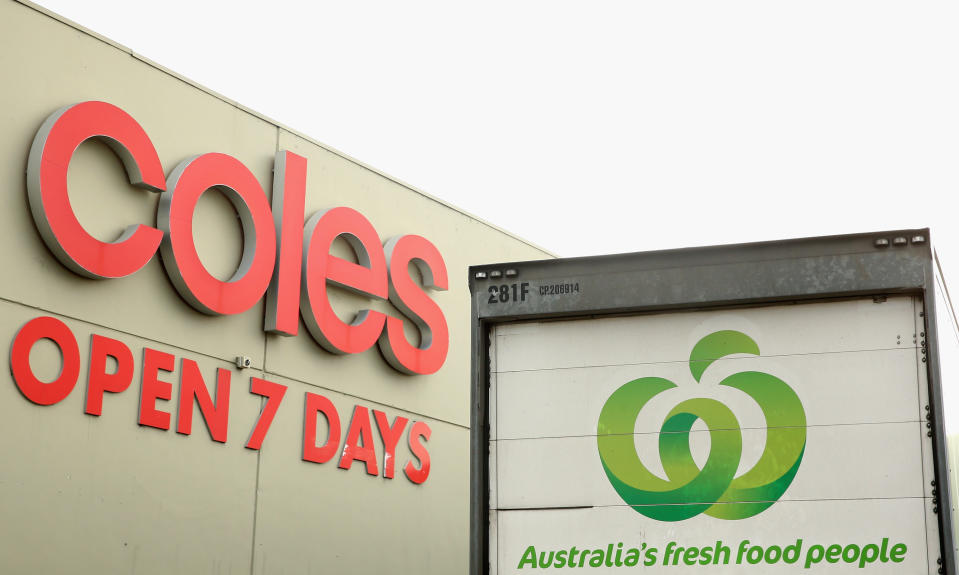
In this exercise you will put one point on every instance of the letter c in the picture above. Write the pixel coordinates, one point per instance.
(53, 147)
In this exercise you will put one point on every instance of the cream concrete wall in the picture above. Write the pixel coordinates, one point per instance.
(84, 494)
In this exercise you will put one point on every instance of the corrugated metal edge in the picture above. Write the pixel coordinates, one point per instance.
(256, 114)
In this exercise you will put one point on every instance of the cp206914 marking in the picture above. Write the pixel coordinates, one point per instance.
(559, 289)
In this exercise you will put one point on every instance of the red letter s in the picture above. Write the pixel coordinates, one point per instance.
(430, 355)
(417, 430)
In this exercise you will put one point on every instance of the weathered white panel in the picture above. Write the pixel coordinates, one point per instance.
(854, 365)
(780, 330)
(836, 463)
(563, 402)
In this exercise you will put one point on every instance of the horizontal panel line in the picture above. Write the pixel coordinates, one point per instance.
(618, 506)
(145, 338)
(727, 358)
(815, 426)
(555, 508)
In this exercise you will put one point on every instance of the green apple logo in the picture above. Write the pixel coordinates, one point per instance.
(714, 489)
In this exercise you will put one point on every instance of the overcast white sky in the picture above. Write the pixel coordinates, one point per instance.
(597, 127)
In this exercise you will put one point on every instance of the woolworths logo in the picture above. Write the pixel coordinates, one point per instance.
(714, 490)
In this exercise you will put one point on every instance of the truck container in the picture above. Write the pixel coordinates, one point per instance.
(773, 407)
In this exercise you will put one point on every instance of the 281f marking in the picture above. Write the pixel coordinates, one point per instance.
(506, 293)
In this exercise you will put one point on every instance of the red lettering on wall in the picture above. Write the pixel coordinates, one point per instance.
(419, 430)
(359, 442)
(195, 284)
(216, 414)
(272, 238)
(99, 380)
(32, 388)
(273, 392)
(430, 354)
(391, 435)
(368, 277)
(152, 388)
(53, 146)
(311, 451)
(289, 200)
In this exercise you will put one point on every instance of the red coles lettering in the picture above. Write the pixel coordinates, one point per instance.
(290, 264)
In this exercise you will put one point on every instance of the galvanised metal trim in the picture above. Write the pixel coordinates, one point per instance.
(810, 268)
(940, 457)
